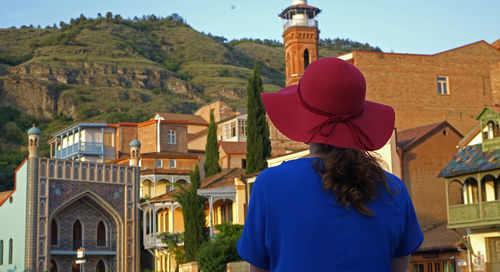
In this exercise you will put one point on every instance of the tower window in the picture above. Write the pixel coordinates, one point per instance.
(1, 252)
(172, 163)
(306, 58)
(159, 163)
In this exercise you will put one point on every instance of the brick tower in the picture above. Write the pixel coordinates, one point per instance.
(300, 35)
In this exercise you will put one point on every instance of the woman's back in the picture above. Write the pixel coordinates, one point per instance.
(293, 224)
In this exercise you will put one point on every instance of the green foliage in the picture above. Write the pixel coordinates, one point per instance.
(258, 143)
(193, 211)
(211, 165)
(173, 240)
(215, 254)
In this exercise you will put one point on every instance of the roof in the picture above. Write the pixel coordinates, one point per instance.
(496, 44)
(438, 237)
(471, 159)
(171, 171)
(469, 136)
(234, 147)
(168, 154)
(189, 118)
(222, 179)
(168, 196)
(4, 195)
(408, 138)
(197, 134)
(34, 131)
(301, 8)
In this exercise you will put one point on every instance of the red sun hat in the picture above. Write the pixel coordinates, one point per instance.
(328, 106)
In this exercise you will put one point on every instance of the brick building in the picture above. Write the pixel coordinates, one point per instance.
(422, 89)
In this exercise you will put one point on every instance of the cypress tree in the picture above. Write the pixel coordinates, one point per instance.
(193, 211)
(211, 165)
(258, 143)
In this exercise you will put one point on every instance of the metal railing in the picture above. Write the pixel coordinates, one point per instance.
(302, 23)
(91, 244)
(151, 240)
(89, 148)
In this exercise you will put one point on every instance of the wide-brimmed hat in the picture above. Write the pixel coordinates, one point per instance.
(328, 106)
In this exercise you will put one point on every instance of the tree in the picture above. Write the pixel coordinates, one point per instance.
(193, 211)
(211, 165)
(258, 143)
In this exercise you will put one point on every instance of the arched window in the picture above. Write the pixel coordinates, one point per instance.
(100, 266)
(53, 233)
(31, 142)
(53, 266)
(101, 234)
(1, 252)
(471, 194)
(11, 250)
(306, 58)
(77, 235)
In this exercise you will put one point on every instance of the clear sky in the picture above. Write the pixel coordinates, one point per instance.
(420, 27)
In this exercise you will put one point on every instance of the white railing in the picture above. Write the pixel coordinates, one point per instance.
(151, 241)
(302, 23)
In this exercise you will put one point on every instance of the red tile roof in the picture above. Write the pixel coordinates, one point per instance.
(4, 195)
(438, 237)
(188, 118)
(496, 44)
(234, 147)
(407, 138)
(222, 179)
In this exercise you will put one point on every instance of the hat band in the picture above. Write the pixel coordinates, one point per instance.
(333, 120)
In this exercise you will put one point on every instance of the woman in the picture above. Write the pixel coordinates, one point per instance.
(336, 209)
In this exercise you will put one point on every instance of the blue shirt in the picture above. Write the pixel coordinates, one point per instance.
(294, 225)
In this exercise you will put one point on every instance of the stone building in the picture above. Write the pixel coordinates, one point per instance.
(60, 205)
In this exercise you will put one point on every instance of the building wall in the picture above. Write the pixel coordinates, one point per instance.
(15, 229)
(192, 128)
(439, 256)
(221, 111)
(421, 165)
(409, 84)
(180, 163)
(180, 137)
(495, 79)
(124, 135)
(147, 137)
(198, 143)
(479, 244)
(297, 40)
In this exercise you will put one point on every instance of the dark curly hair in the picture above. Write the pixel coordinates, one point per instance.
(352, 175)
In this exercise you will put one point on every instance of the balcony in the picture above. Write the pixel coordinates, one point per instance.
(92, 247)
(300, 23)
(152, 241)
(82, 148)
(474, 215)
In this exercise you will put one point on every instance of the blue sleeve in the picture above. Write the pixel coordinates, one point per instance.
(412, 236)
(252, 246)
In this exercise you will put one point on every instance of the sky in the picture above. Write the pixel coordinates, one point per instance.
(417, 27)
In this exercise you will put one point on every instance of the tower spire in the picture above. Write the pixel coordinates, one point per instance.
(300, 36)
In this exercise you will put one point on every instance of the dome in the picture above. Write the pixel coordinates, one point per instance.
(135, 142)
(34, 131)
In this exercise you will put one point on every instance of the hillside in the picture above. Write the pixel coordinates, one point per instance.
(115, 70)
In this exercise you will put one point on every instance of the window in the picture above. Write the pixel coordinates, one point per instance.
(1, 252)
(233, 129)
(442, 84)
(11, 250)
(77, 235)
(171, 137)
(101, 234)
(242, 127)
(100, 267)
(172, 163)
(226, 131)
(306, 58)
(53, 233)
(159, 163)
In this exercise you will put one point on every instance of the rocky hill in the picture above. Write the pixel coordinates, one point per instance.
(116, 70)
